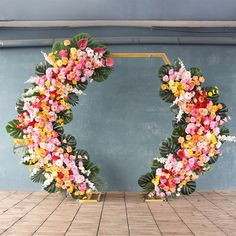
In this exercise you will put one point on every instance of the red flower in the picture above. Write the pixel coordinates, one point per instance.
(181, 153)
(99, 50)
(60, 175)
(82, 43)
(109, 62)
(54, 157)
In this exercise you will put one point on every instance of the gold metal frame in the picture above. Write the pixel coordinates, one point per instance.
(160, 55)
(165, 59)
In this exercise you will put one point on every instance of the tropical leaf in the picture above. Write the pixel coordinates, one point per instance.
(178, 131)
(222, 112)
(195, 71)
(38, 177)
(212, 93)
(167, 95)
(164, 70)
(101, 74)
(99, 183)
(58, 128)
(19, 150)
(73, 99)
(213, 159)
(145, 181)
(77, 37)
(81, 85)
(224, 131)
(189, 188)
(167, 146)
(51, 188)
(156, 164)
(89, 165)
(15, 132)
(66, 115)
(83, 153)
(68, 140)
(19, 106)
(41, 68)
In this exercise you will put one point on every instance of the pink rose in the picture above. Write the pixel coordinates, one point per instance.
(110, 62)
(63, 53)
(82, 43)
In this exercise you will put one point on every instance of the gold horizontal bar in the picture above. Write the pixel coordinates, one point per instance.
(142, 55)
(154, 200)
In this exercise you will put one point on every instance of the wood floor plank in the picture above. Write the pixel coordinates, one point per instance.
(38, 213)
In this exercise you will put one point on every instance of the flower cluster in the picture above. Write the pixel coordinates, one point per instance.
(46, 107)
(197, 134)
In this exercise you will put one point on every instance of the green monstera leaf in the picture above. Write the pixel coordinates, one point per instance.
(38, 177)
(66, 115)
(68, 140)
(189, 188)
(168, 146)
(145, 181)
(12, 129)
(167, 96)
(213, 159)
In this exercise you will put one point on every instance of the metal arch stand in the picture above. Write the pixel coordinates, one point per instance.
(96, 196)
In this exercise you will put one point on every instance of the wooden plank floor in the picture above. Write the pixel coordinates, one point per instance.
(39, 213)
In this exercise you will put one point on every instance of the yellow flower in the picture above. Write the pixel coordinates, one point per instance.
(164, 87)
(210, 94)
(69, 149)
(213, 138)
(59, 62)
(51, 57)
(67, 42)
(156, 180)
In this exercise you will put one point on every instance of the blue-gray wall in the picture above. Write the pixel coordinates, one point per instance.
(114, 9)
(122, 120)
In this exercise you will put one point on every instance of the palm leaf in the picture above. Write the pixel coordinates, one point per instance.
(189, 188)
(13, 131)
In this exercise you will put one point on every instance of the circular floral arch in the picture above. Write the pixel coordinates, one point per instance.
(60, 166)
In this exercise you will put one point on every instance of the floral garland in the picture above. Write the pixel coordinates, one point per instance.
(197, 133)
(46, 107)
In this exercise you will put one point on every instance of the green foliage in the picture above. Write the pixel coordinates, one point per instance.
(195, 72)
(58, 46)
(156, 164)
(89, 165)
(99, 183)
(77, 37)
(164, 70)
(19, 106)
(68, 140)
(145, 181)
(38, 177)
(81, 85)
(73, 99)
(224, 131)
(13, 130)
(214, 91)
(189, 188)
(167, 146)
(41, 68)
(167, 95)
(179, 131)
(51, 188)
(213, 159)
(101, 74)
(66, 115)
(222, 112)
(83, 153)
(58, 128)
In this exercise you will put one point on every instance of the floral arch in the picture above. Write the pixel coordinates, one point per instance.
(56, 162)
